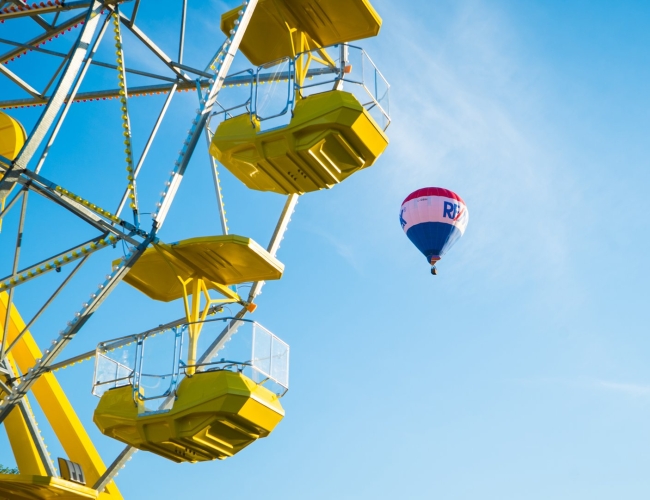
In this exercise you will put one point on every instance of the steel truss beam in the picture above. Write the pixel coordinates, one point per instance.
(38, 40)
(222, 65)
(51, 111)
(144, 90)
(47, 303)
(56, 262)
(19, 173)
(27, 10)
(95, 63)
(28, 418)
(53, 192)
(65, 94)
(74, 326)
(38, 19)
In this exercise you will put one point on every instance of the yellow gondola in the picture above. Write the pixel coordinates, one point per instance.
(215, 415)
(330, 137)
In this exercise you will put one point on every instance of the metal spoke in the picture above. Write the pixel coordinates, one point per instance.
(19, 81)
(74, 326)
(143, 156)
(181, 41)
(57, 261)
(52, 109)
(163, 88)
(11, 203)
(152, 46)
(36, 41)
(222, 65)
(59, 93)
(47, 303)
(114, 468)
(48, 190)
(38, 19)
(71, 96)
(18, 248)
(134, 14)
(101, 64)
(256, 289)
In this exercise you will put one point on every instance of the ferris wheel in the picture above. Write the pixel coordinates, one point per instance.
(311, 111)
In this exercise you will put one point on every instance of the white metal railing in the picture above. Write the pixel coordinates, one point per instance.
(153, 363)
(267, 93)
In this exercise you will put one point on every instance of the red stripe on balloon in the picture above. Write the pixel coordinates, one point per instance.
(433, 191)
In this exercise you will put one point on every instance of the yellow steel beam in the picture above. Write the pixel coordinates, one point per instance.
(55, 405)
(22, 444)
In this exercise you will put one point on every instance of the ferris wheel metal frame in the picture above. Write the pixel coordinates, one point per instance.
(21, 177)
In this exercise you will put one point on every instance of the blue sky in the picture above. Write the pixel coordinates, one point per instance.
(520, 371)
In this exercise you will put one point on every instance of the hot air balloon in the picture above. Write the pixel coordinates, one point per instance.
(434, 219)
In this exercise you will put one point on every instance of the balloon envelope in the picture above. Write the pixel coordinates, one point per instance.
(434, 219)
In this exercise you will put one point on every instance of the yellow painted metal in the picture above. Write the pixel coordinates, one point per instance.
(22, 444)
(216, 414)
(277, 26)
(330, 137)
(189, 268)
(12, 136)
(196, 315)
(12, 139)
(19, 487)
(55, 405)
(219, 260)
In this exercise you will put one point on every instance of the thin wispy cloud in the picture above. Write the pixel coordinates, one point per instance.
(466, 118)
(345, 250)
(629, 389)
(590, 384)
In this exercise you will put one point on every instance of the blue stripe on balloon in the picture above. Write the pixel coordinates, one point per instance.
(433, 239)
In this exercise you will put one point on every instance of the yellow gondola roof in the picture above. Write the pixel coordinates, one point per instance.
(222, 260)
(327, 22)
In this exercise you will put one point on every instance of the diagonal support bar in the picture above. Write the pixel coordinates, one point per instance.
(153, 47)
(114, 468)
(50, 113)
(8, 56)
(20, 82)
(222, 66)
(30, 11)
(30, 422)
(256, 289)
(49, 356)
